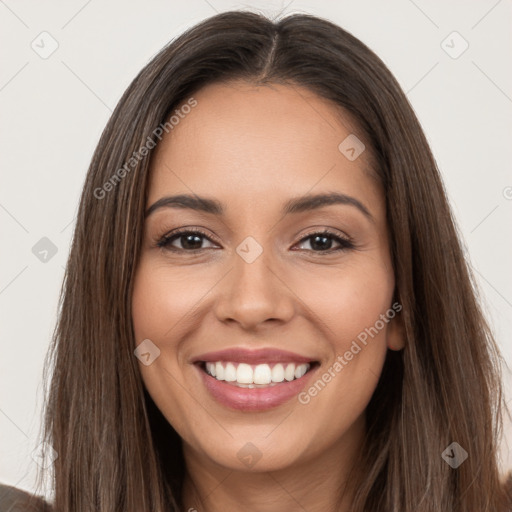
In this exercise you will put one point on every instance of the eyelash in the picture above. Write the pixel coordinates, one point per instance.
(164, 242)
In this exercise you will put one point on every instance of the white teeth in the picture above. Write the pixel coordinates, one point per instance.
(210, 368)
(258, 375)
(244, 374)
(219, 371)
(262, 374)
(289, 373)
(278, 373)
(300, 371)
(230, 373)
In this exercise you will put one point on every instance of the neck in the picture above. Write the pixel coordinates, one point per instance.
(316, 484)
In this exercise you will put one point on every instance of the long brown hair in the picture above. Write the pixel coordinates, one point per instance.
(115, 449)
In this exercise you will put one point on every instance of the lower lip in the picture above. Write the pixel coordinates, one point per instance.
(255, 399)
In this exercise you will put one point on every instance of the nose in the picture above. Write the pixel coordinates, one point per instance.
(253, 294)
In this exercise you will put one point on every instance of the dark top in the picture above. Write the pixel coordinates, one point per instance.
(13, 499)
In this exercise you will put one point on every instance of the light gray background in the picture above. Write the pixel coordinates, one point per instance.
(54, 109)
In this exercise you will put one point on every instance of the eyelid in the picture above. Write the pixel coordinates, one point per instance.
(328, 231)
(344, 241)
(164, 240)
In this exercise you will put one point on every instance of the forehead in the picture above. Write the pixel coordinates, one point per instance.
(259, 143)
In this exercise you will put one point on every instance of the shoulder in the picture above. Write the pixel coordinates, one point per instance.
(507, 491)
(13, 499)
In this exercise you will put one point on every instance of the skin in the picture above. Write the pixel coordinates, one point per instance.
(253, 148)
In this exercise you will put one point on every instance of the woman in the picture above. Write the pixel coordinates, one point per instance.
(266, 304)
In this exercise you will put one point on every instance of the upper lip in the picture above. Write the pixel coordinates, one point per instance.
(259, 356)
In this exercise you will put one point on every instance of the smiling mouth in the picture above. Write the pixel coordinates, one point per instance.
(253, 376)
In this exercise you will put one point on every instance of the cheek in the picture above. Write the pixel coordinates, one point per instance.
(349, 299)
(160, 309)
(349, 303)
(163, 301)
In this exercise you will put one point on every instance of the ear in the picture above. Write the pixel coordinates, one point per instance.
(395, 332)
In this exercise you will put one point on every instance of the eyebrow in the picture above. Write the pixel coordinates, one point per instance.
(294, 205)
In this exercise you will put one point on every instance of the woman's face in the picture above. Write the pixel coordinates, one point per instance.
(261, 294)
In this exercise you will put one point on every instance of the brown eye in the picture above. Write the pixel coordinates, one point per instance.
(190, 240)
(323, 241)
